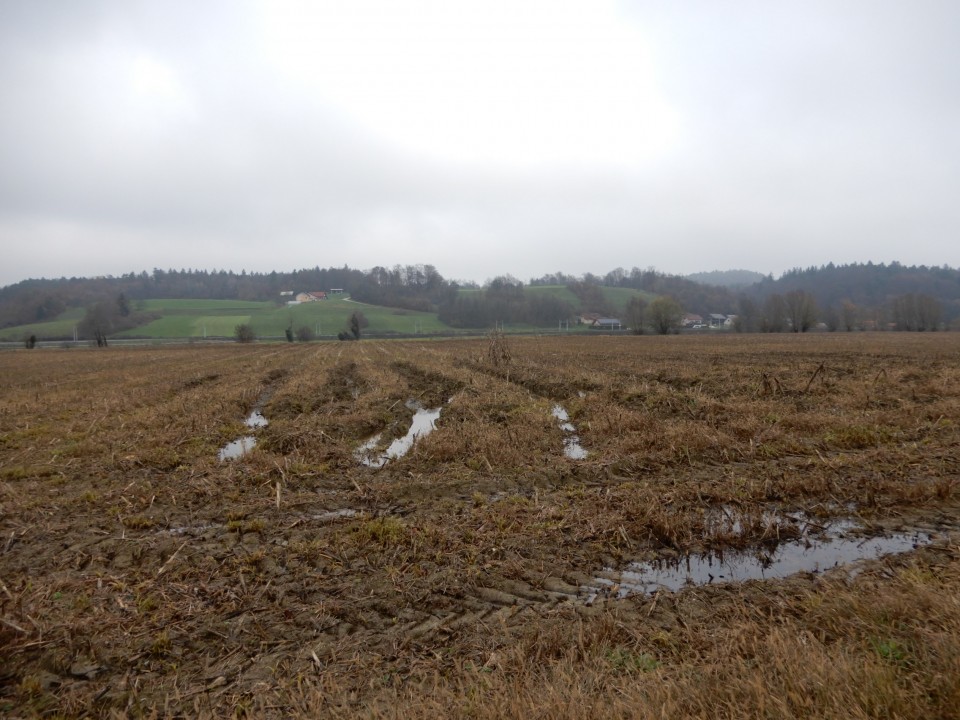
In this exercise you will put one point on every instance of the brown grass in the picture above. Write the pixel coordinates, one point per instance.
(140, 576)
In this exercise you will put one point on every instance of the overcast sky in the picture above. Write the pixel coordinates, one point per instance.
(483, 137)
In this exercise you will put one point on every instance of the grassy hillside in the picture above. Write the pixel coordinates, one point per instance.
(62, 327)
(561, 292)
(211, 318)
(186, 318)
(617, 297)
(182, 318)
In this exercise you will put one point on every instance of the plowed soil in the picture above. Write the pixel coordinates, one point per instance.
(142, 576)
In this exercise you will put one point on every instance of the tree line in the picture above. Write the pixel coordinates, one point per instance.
(842, 297)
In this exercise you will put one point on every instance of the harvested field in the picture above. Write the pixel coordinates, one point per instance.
(486, 572)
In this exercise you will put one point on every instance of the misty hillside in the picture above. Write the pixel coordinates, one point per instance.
(733, 279)
(869, 286)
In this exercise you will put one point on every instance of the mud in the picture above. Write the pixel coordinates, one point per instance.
(141, 576)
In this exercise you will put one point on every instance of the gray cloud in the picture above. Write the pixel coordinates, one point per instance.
(747, 134)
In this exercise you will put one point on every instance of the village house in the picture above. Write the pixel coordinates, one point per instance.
(598, 321)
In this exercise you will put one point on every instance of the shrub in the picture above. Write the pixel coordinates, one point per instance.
(305, 333)
(243, 333)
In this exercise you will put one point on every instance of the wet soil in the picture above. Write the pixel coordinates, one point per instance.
(140, 574)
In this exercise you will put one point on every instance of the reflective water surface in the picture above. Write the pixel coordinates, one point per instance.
(422, 424)
(838, 546)
(241, 446)
(571, 442)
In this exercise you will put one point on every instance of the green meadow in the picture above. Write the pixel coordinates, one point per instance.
(219, 318)
(617, 297)
(187, 318)
(184, 318)
(62, 327)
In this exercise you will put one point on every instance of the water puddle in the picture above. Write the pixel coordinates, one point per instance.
(242, 445)
(836, 548)
(256, 420)
(238, 448)
(421, 425)
(571, 441)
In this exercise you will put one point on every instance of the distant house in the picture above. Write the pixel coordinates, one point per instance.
(691, 319)
(336, 291)
(717, 320)
(605, 323)
(598, 321)
(311, 296)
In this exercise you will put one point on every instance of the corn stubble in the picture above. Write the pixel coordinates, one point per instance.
(142, 576)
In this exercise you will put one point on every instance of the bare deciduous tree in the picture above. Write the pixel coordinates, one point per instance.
(665, 315)
(916, 312)
(748, 315)
(849, 316)
(635, 315)
(356, 322)
(801, 310)
(774, 318)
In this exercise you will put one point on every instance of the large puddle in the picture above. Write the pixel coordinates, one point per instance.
(837, 547)
(421, 425)
(242, 445)
(571, 441)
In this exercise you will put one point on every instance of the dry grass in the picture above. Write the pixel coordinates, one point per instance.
(141, 576)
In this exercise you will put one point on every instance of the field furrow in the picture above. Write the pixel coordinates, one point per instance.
(404, 531)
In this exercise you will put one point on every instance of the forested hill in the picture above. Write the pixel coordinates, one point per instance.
(868, 286)
(734, 279)
(864, 295)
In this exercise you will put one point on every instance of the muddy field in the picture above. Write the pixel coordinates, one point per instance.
(582, 527)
